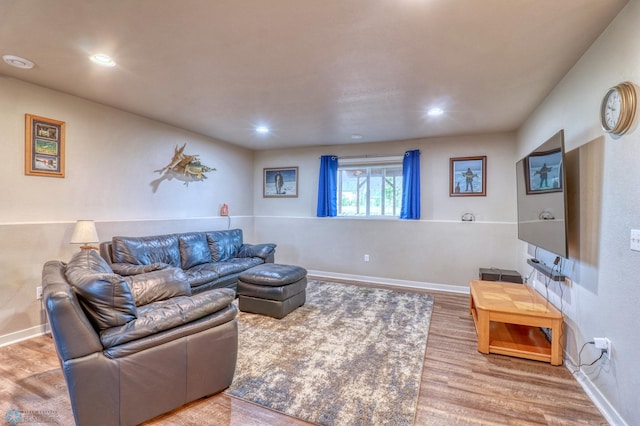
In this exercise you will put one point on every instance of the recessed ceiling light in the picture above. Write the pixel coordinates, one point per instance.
(102, 59)
(434, 112)
(18, 62)
(356, 136)
(263, 130)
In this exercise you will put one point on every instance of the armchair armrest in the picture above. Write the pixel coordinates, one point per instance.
(126, 269)
(263, 251)
(73, 334)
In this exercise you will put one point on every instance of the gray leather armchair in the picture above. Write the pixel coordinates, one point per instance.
(131, 351)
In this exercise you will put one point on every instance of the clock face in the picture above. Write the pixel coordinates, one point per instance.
(612, 109)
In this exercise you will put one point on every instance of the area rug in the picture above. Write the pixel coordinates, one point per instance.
(350, 356)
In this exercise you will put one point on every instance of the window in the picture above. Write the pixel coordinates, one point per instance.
(370, 186)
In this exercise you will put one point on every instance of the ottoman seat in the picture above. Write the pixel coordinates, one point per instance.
(272, 289)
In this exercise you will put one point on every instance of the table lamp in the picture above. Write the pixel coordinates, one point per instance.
(85, 233)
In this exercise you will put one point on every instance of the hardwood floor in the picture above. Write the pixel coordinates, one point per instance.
(460, 386)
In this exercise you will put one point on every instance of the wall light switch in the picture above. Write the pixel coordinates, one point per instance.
(635, 239)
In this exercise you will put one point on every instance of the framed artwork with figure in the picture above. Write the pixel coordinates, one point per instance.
(44, 146)
(543, 172)
(467, 176)
(280, 182)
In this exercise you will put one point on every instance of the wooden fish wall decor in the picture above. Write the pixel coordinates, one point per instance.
(184, 167)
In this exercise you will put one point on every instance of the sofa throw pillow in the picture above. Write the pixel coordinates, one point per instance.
(158, 285)
(224, 245)
(194, 249)
(105, 296)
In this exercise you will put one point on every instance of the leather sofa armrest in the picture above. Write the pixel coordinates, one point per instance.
(126, 269)
(263, 251)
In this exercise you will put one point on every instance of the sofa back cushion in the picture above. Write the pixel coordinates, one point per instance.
(224, 245)
(105, 296)
(147, 250)
(194, 249)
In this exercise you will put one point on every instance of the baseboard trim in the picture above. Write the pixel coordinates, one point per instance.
(28, 333)
(391, 282)
(592, 391)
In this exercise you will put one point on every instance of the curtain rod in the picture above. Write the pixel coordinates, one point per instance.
(346, 157)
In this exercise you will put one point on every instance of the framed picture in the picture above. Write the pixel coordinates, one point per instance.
(281, 182)
(467, 176)
(543, 172)
(44, 146)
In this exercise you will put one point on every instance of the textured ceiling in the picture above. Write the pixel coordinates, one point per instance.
(315, 71)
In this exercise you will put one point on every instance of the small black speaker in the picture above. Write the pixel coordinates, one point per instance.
(495, 274)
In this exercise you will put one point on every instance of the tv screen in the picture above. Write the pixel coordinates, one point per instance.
(542, 197)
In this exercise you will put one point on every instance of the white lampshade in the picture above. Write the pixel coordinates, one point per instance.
(85, 233)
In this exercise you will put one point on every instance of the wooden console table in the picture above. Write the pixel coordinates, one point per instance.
(508, 318)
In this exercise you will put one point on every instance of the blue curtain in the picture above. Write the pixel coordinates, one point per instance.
(328, 186)
(410, 208)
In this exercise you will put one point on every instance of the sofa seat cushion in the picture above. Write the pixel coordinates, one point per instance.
(147, 250)
(226, 268)
(200, 274)
(105, 296)
(246, 262)
(158, 285)
(167, 314)
(208, 272)
(126, 269)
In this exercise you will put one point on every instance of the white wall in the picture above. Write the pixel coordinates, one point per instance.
(438, 249)
(603, 300)
(111, 157)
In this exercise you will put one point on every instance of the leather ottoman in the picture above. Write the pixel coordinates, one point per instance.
(272, 289)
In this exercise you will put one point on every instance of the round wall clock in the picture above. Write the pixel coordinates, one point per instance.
(618, 108)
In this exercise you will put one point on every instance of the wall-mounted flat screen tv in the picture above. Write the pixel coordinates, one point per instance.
(542, 197)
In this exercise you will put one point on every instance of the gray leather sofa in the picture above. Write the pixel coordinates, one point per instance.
(211, 259)
(132, 348)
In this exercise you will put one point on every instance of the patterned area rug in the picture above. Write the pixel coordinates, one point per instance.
(350, 356)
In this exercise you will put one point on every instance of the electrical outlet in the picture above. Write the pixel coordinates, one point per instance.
(635, 239)
(39, 292)
(366, 257)
(604, 344)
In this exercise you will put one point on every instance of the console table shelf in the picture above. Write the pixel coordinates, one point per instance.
(508, 318)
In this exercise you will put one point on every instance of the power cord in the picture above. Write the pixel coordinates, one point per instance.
(577, 370)
(557, 267)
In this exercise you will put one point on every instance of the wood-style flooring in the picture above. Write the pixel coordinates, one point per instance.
(460, 386)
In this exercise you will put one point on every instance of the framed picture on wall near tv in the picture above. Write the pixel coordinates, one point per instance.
(467, 176)
(543, 172)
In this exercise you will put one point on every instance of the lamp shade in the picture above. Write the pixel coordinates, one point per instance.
(85, 233)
